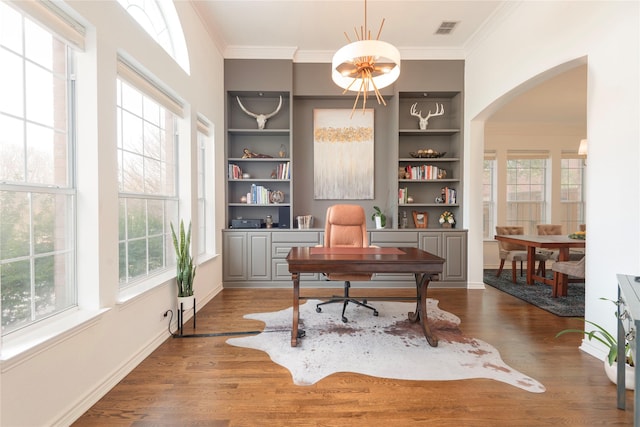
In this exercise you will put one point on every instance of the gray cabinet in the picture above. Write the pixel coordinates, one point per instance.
(247, 256)
(396, 239)
(282, 242)
(450, 245)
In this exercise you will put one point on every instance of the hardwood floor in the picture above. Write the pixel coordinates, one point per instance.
(203, 381)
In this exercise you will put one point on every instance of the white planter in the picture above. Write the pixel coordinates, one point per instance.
(187, 302)
(612, 374)
(378, 221)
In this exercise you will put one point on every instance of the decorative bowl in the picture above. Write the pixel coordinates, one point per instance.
(427, 154)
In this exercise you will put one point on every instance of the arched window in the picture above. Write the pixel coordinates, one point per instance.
(160, 19)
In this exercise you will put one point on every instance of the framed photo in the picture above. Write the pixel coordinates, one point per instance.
(343, 154)
(420, 219)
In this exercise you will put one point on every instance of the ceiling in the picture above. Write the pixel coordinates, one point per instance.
(312, 30)
(315, 28)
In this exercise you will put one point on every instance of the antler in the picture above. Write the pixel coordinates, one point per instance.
(424, 121)
(413, 111)
(439, 111)
(260, 118)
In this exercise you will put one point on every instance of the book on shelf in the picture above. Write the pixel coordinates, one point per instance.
(259, 195)
(403, 195)
(283, 171)
(235, 172)
(423, 172)
(448, 195)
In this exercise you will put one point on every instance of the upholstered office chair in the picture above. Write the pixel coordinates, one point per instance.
(513, 252)
(346, 226)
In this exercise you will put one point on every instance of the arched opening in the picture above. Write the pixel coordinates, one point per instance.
(543, 118)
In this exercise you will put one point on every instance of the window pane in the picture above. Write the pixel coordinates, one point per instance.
(136, 218)
(11, 84)
(11, 150)
(15, 291)
(14, 225)
(39, 94)
(156, 252)
(155, 209)
(10, 29)
(137, 266)
(38, 44)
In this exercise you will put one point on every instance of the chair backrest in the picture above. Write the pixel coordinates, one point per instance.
(506, 231)
(345, 226)
(549, 229)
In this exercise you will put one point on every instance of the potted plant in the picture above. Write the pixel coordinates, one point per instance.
(185, 270)
(379, 218)
(602, 335)
(447, 220)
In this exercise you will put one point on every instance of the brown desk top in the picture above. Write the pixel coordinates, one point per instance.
(362, 260)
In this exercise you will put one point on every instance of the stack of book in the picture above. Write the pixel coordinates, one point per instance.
(448, 195)
(234, 171)
(403, 196)
(422, 172)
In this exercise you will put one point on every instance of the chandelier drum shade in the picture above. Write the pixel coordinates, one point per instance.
(365, 65)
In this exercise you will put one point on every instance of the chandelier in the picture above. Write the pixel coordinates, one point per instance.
(365, 65)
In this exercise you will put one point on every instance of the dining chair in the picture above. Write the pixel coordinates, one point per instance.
(514, 252)
(346, 226)
(556, 230)
(565, 272)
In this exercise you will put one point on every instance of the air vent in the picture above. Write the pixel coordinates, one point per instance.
(446, 27)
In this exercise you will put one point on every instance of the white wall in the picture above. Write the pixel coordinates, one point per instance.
(536, 40)
(59, 380)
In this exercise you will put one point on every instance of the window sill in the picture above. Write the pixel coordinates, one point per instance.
(20, 347)
(138, 289)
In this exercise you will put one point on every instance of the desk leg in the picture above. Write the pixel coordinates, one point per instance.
(422, 282)
(296, 308)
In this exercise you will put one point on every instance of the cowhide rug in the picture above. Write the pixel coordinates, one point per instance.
(387, 346)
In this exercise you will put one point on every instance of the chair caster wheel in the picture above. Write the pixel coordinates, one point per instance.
(344, 319)
(364, 301)
(375, 313)
(318, 310)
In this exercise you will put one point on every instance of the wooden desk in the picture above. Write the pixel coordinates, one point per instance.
(424, 266)
(561, 242)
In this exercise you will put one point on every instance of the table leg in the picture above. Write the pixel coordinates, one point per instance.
(422, 282)
(296, 308)
(531, 264)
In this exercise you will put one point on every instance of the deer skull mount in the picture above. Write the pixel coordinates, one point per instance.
(260, 118)
(424, 121)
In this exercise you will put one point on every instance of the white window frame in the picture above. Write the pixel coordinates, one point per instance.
(526, 211)
(489, 192)
(573, 210)
(169, 106)
(69, 34)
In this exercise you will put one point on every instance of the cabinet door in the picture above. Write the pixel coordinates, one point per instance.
(454, 250)
(235, 256)
(259, 258)
(431, 242)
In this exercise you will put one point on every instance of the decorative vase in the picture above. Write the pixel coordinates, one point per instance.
(378, 220)
(612, 374)
(446, 225)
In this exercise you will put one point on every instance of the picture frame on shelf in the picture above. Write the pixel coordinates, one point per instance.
(420, 219)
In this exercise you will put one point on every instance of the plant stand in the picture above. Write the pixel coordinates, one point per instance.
(181, 316)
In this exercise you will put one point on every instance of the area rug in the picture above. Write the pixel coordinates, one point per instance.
(386, 346)
(539, 294)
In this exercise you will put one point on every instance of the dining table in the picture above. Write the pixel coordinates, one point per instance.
(561, 243)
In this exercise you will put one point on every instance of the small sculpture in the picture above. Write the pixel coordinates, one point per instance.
(249, 155)
(260, 118)
(424, 121)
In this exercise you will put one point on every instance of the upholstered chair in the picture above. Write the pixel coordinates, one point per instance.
(565, 272)
(346, 226)
(556, 230)
(513, 252)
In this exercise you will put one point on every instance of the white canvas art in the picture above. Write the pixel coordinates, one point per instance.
(343, 154)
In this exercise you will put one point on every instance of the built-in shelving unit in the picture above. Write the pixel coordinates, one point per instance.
(258, 161)
(424, 188)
